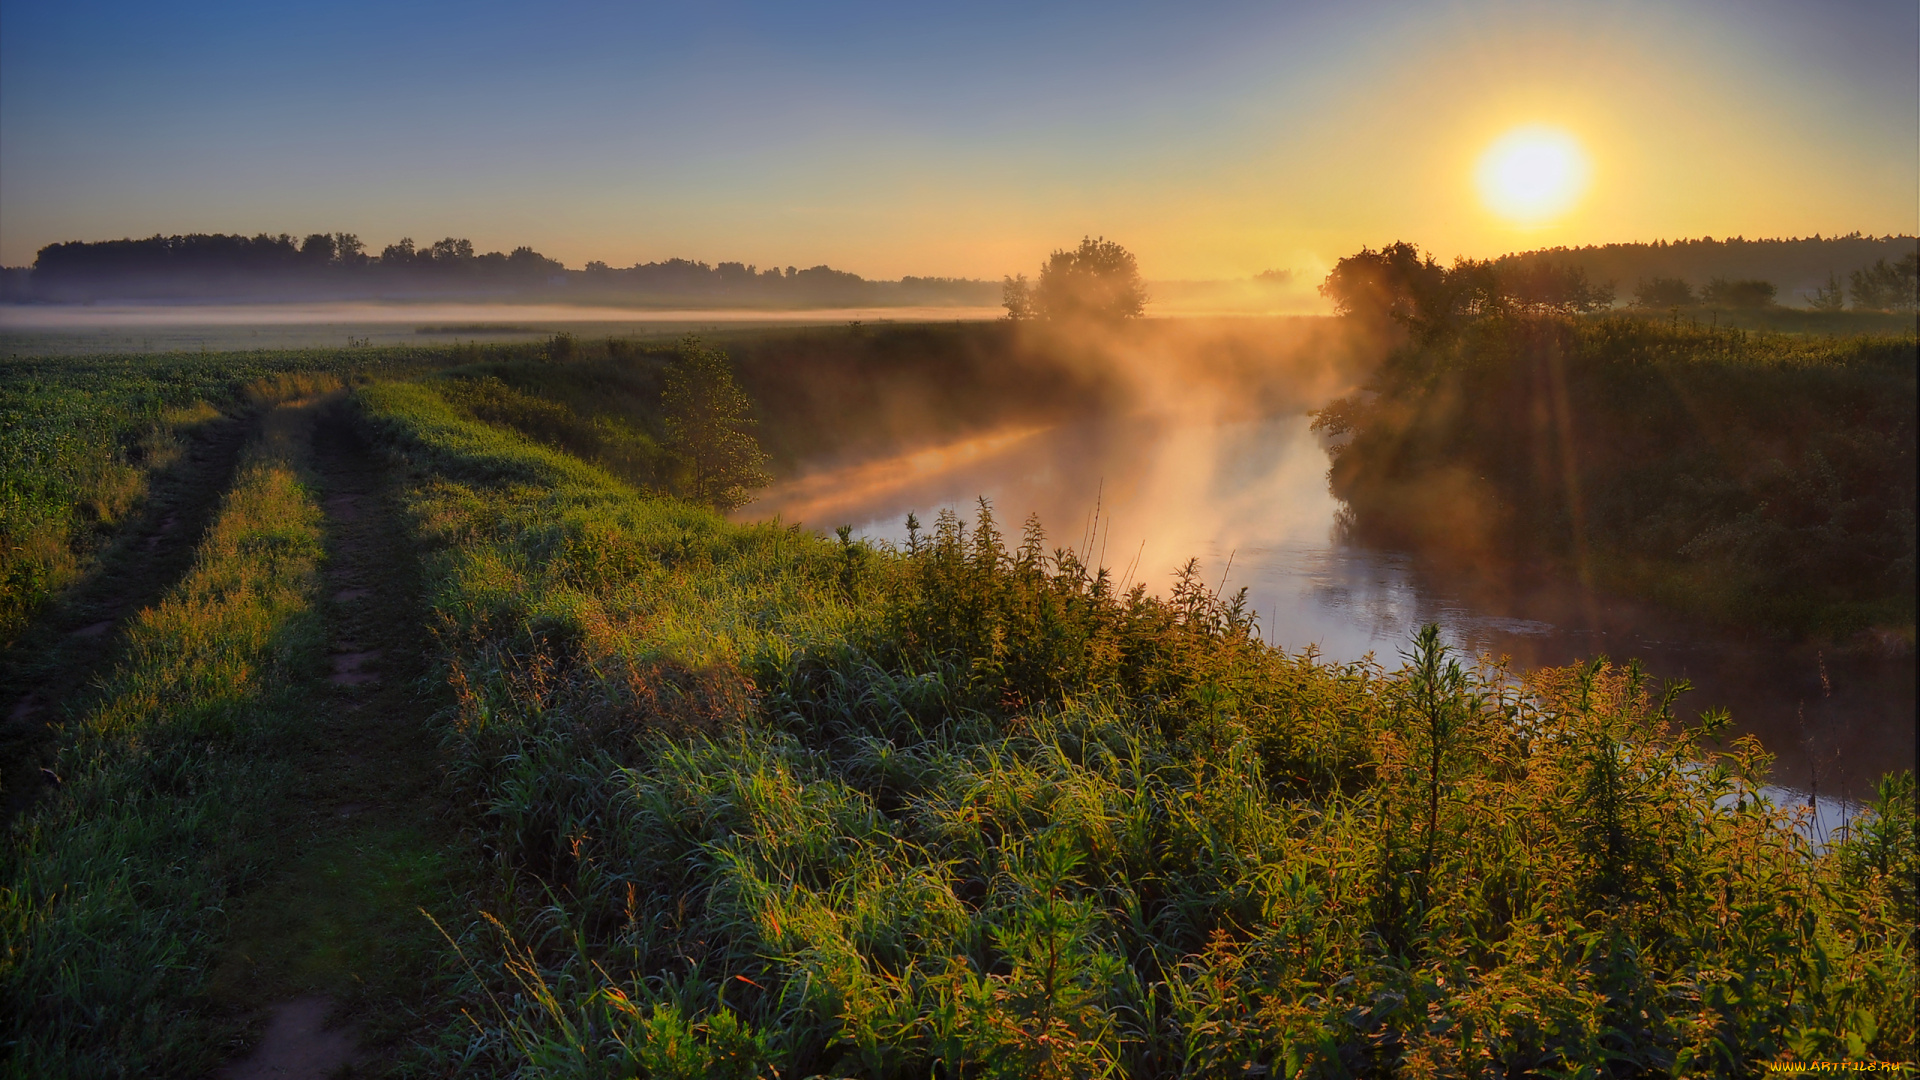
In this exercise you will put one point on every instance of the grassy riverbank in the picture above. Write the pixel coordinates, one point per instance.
(764, 802)
(1753, 479)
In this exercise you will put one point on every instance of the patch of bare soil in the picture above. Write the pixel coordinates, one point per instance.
(349, 666)
(298, 1045)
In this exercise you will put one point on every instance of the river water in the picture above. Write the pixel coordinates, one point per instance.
(1249, 499)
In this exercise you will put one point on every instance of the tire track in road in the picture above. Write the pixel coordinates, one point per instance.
(56, 659)
(338, 944)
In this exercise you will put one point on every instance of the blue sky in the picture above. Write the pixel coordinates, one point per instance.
(1213, 139)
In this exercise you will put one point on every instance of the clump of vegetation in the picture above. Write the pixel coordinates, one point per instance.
(113, 890)
(1663, 292)
(710, 428)
(1884, 287)
(1879, 287)
(1098, 281)
(1753, 478)
(1747, 293)
(763, 803)
(1400, 285)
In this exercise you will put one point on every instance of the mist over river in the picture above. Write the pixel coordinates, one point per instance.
(1249, 499)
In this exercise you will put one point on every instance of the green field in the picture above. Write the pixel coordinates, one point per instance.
(461, 716)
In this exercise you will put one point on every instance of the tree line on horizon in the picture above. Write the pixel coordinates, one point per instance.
(1737, 272)
(1882, 286)
(341, 263)
(1723, 273)
(1415, 289)
(1401, 283)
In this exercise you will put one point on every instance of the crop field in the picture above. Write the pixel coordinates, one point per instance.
(464, 719)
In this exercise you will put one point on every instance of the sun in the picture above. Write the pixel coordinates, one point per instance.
(1533, 174)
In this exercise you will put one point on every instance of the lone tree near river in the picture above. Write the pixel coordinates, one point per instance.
(1097, 281)
(710, 428)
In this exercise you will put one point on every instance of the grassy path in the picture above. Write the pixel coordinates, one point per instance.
(336, 944)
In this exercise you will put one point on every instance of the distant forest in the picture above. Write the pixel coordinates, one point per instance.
(1798, 268)
(338, 266)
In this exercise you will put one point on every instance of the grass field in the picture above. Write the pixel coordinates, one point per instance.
(453, 723)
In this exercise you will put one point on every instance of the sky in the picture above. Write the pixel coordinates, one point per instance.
(1212, 139)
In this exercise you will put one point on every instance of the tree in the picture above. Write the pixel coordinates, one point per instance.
(1543, 287)
(318, 248)
(1739, 294)
(1883, 287)
(1017, 297)
(400, 254)
(451, 250)
(709, 427)
(348, 250)
(1663, 292)
(560, 349)
(1097, 281)
(1396, 282)
(1829, 297)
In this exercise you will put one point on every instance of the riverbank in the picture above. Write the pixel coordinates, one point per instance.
(815, 805)
(1756, 480)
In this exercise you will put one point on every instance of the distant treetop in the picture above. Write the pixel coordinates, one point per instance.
(1098, 281)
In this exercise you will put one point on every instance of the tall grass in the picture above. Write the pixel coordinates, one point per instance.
(113, 890)
(763, 803)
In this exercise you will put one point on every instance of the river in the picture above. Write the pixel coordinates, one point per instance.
(1249, 498)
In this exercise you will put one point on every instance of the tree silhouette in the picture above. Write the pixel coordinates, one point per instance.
(1097, 281)
(1739, 294)
(1884, 287)
(1829, 297)
(1401, 284)
(709, 427)
(1396, 282)
(1663, 292)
